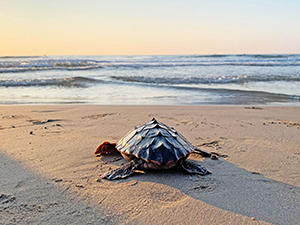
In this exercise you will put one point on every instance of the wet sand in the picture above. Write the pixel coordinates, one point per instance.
(49, 174)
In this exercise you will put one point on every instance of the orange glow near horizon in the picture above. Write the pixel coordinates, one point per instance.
(173, 27)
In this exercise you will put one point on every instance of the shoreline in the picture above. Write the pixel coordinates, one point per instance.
(49, 149)
(151, 105)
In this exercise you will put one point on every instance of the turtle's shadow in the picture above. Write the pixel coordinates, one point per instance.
(234, 189)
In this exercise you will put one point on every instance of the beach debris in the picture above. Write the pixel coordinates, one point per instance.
(100, 202)
(153, 145)
(207, 186)
(200, 187)
(31, 132)
(256, 173)
(6, 198)
(254, 107)
(58, 180)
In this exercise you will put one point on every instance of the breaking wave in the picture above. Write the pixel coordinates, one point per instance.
(63, 82)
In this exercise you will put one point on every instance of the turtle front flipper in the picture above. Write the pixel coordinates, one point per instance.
(122, 172)
(194, 168)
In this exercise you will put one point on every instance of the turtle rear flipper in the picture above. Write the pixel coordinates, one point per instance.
(123, 171)
(194, 168)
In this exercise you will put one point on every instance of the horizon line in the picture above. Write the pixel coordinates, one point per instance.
(209, 54)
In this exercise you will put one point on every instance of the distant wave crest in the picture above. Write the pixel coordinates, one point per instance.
(19, 57)
(13, 64)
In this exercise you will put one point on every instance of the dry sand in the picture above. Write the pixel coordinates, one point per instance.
(49, 173)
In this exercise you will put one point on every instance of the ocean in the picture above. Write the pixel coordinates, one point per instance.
(151, 80)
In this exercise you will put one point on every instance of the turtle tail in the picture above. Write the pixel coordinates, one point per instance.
(105, 148)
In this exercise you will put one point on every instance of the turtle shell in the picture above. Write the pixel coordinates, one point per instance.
(155, 142)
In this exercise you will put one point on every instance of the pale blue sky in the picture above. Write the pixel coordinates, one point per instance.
(149, 27)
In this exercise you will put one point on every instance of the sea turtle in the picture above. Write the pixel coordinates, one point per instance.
(153, 145)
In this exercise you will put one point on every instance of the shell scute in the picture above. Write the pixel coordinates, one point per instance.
(127, 137)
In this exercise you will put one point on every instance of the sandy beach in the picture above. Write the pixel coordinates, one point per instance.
(49, 174)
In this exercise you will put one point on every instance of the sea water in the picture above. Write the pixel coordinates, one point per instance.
(151, 80)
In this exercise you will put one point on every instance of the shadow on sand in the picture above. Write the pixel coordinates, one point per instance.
(26, 198)
(236, 190)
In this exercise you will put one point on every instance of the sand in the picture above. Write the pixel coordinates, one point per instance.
(49, 174)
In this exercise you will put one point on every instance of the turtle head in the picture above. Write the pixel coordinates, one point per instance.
(105, 148)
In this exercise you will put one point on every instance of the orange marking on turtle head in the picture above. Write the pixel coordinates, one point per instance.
(105, 148)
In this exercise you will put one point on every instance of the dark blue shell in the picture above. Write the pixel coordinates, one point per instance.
(155, 142)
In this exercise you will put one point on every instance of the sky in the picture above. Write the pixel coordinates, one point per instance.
(134, 27)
